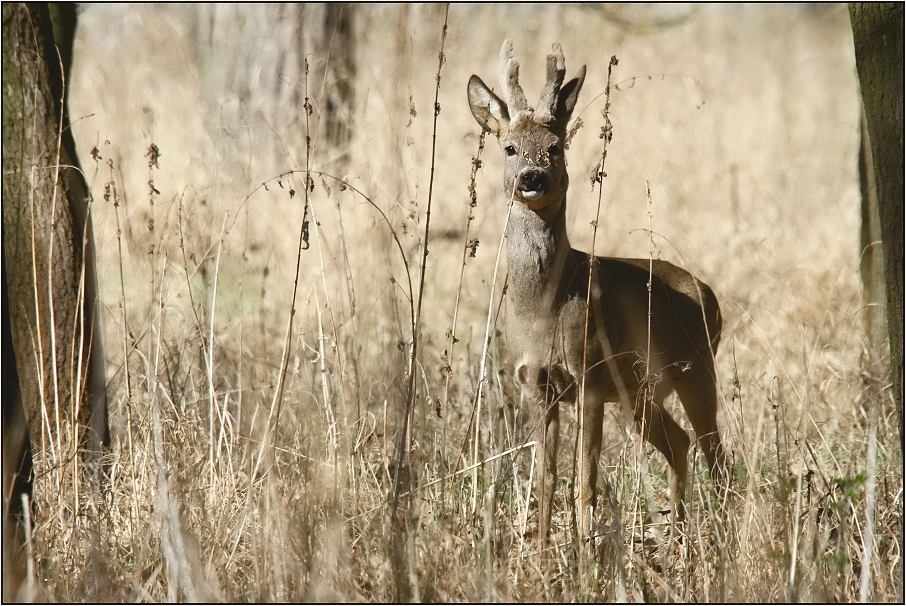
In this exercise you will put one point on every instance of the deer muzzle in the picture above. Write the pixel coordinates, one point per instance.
(532, 183)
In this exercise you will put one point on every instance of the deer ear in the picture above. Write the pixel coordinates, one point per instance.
(569, 94)
(489, 111)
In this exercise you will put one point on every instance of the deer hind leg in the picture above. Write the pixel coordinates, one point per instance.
(658, 428)
(698, 393)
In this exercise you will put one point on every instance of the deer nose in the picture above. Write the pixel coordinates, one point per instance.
(531, 179)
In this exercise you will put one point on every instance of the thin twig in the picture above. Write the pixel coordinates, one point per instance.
(126, 339)
(467, 247)
(413, 355)
(482, 368)
(606, 136)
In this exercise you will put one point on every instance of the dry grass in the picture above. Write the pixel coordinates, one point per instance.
(256, 450)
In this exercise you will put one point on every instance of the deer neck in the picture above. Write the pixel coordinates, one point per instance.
(539, 258)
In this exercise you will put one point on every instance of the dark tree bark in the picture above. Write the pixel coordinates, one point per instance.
(50, 286)
(878, 39)
(17, 457)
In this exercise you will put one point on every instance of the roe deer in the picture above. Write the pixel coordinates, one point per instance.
(546, 305)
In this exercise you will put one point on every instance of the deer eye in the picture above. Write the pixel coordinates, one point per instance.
(554, 150)
(510, 150)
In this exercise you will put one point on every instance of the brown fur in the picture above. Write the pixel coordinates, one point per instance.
(546, 305)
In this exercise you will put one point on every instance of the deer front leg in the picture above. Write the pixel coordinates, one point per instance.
(592, 429)
(545, 416)
(547, 458)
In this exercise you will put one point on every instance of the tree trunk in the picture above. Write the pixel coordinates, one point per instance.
(878, 39)
(50, 280)
(17, 457)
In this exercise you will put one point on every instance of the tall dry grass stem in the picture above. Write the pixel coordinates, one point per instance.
(469, 247)
(209, 360)
(405, 446)
(50, 272)
(277, 403)
(46, 431)
(111, 193)
(599, 175)
(868, 535)
(482, 364)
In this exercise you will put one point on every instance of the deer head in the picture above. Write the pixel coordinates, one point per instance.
(532, 139)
